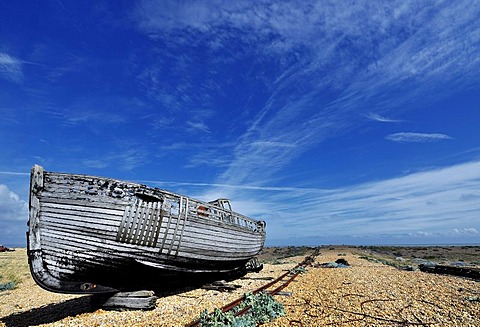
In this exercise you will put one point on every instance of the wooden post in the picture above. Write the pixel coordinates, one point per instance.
(138, 300)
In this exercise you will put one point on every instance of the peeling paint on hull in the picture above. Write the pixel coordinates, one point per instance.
(92, 234)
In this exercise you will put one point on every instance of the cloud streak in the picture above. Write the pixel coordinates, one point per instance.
(432, 202)
(10, 68)
(381, 119)
(11, 207)
(198, 126)
(236, 187)
(251, 89)
(408, 137)
(398, 48)
(14, 173)
(126, 157)
(13, 216)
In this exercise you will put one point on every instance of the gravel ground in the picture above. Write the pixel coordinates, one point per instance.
(367, 294)
(372, 294)
(30, 305)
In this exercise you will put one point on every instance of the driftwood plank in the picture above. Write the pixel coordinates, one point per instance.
(138, 300)
(473, 273)
(221, 286)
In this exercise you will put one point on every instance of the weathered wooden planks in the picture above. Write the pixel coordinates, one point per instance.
(468, 272)
(80, 222)
(138, 300)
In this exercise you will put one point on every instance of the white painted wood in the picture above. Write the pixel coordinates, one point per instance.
(83, 222)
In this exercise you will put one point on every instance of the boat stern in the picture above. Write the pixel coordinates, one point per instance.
(38, 268)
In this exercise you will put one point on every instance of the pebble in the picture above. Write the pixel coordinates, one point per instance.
(371, 294)
(366, 294)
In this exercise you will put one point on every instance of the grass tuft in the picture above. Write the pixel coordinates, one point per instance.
(13, 269)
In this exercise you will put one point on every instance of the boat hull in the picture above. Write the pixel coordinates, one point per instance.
(92, 234)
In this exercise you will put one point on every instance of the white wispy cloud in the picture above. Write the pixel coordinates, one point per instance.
(430, 203)
(13, 217)
(70, 63)
(236, 187)
(14, 173)
(92, 111)
(125, 157)
(85, 116)
(10, 68)
(162, 122)
(417, 137)
(198, 126)
(200, 146)
(377, 117)
(265, 144)
(466, 231)
(333, 64)
(208, 158)
(12, 208)
(368, 51)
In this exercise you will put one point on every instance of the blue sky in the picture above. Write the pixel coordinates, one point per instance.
(336, 122)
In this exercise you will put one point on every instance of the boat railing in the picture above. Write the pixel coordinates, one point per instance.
(229, 217)
(212, 212)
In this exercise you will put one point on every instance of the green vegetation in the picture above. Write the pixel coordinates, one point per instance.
(405, 256)
(13, 269)
(263, 308)
(7, 286)
(395, 264)
(278, 262)
(299, 269)
(275, 255)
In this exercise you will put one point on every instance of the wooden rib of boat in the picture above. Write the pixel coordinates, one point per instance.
(92, 234)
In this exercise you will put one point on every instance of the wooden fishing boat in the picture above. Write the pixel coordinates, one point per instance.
(92, 234)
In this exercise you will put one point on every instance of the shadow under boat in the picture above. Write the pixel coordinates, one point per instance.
(161, 284)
